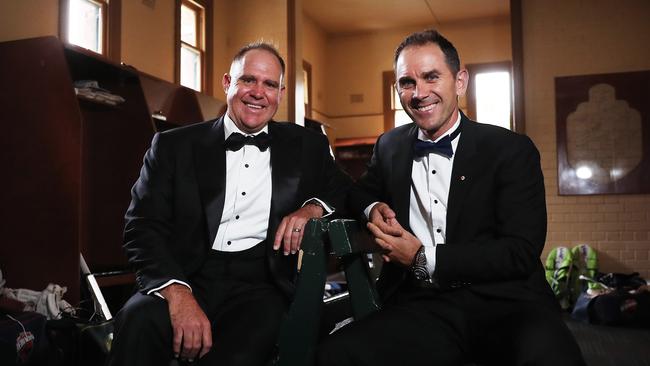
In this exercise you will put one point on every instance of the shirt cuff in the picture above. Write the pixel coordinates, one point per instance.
(368, 209)
(328, 209)
(430, 253)
(156, 291)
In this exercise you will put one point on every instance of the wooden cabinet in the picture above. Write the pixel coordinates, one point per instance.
(41, 164)
(68, 163)
(353, 154)
(177, 104)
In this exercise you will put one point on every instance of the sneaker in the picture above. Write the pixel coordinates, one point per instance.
(585, 263)
(558, 270)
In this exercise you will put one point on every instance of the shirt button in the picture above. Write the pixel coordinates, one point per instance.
(243, 193)
(435, 201)
(438, 230)
(433, 172)
(246, 165)
(237, 217)
(229, 242)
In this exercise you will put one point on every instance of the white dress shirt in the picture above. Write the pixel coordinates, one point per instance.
(247, 202)
(430, 182)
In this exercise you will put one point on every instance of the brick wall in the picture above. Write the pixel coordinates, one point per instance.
(572, 37)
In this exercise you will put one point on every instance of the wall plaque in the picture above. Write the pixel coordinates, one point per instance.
(603, 133)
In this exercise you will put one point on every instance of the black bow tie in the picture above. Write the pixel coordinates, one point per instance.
(236, 141)
(442, 147)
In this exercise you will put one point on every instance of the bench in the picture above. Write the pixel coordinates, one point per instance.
(303, 325)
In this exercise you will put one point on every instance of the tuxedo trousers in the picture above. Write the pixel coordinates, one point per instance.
(425, 327)
(235, 291)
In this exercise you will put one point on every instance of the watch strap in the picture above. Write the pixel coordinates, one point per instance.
(419, 266)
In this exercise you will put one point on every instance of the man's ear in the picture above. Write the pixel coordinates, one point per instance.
(462, 81)
(281, 94)
(226, 83)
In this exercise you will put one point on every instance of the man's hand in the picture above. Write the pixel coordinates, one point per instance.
(291, 228)
(383, 216)
(192, 329)
(399, 244)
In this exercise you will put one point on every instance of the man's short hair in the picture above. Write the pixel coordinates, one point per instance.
(259, 45)
(432, 36)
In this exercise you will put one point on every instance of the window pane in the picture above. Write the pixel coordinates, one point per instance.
(307, 86)
(401, 118)
(493, 98)
(85, 24)
(190, 68)
(395, 99)
(188, 25)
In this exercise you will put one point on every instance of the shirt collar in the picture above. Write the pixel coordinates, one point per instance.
(229, 127)
(423, 137)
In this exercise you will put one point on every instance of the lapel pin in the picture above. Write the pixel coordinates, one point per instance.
(462, 177)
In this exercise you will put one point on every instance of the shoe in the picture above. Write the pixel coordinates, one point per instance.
(558, 270)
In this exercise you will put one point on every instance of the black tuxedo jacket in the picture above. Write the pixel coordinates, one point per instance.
(178, 199)
(496, 214)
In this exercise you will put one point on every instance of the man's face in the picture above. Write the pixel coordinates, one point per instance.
(253, 90)
(427, 88)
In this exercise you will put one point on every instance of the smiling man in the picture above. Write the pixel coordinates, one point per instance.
(215, 221)
(459, 209)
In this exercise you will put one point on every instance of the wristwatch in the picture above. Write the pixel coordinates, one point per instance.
(419, 266)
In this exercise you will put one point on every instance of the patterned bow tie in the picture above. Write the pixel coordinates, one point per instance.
(236, 141)
(442, 147)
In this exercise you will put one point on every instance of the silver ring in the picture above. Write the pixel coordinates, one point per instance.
(296, 229)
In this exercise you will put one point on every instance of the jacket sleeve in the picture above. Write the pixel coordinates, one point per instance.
(371, 185)
(149, 220)
(334, 183)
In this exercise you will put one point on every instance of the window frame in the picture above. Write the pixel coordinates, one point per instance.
(479, 68)
(111, 26)
(388, 83)
(389, 92)
(306, 66)
(204, 40)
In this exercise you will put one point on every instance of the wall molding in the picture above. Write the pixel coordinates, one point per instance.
(347, 115)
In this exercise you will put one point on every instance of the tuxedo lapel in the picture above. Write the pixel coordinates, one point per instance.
(210, 163)
(286, 165)
(462, 174)
(402, 164)
(285, 172)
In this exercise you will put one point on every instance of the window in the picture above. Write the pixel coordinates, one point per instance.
(193, 66)
(86, 24)
(92, 24)
(401, 118)
(490, 93)
(394, 114)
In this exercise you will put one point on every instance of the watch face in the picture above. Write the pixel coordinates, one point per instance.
(420, 272)
(420, 276)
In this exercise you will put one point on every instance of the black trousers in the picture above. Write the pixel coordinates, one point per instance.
(421, 327)
(236, 293)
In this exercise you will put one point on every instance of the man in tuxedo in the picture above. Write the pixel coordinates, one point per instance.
(459, 210)
(215, 222)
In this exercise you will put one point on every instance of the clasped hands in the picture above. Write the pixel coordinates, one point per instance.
(399, 244)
